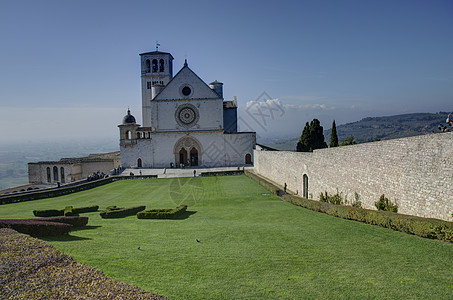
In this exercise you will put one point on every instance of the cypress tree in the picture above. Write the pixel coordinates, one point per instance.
(304, 141)
(334, 136)
(312, 137)
(316, 135)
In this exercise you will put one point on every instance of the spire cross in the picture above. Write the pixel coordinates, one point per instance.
(157, 46)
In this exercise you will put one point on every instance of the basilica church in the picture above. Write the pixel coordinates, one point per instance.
(186, 122)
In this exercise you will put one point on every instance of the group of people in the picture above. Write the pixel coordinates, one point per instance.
(96, 175)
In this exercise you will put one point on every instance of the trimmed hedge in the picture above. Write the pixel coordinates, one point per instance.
(55, 192)
(74, 221)
(68, 211)
(166, 213)
(268, 185)
(121, 212)
(423, 227)
(48, 213)
(222, 173)
(36, 228)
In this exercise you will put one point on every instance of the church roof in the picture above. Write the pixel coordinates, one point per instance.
(186, 67)
(216, 82)
(156, 53)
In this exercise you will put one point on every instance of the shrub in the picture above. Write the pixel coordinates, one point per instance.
(36, 228)
(385, 204)
(48, 213)
(357, 202)
(74, 221)
(121, 212)
(423, 227)
(86, 209)
(222, 173)
(68, 211)
(335, 199)
(43, 272)
(55, 192)
(166, 213)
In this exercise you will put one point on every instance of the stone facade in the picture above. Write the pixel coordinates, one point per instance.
(68, 170)
(414, 172)
(183, 122)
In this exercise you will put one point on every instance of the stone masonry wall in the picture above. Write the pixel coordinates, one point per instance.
(415, 172)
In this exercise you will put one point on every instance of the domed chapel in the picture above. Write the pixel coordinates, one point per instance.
(185, 121)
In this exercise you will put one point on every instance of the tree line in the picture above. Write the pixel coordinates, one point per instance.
(312, 137)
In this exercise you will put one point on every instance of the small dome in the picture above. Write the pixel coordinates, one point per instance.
(128, 119)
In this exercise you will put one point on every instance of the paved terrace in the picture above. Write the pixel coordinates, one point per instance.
(178, 172)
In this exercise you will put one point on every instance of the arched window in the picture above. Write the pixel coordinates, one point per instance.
(161, 65)
(62, 175)
(55, 174)
(305, 186)
(139, 163)
(248, 159)
(128, 135)
(138, 135)
(148, 66)
(155, 67)
(49, 178)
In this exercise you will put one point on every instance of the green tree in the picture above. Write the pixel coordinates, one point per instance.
(334, 136)
(312, 137)
(304, 141)
(348, 141)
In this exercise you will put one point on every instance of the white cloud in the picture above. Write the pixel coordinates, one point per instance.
(263, 104)
(308, 106)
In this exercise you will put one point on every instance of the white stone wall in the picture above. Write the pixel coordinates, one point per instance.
(210, 115)
(415, 172)
(37, 172)
(237, 146)
(217, 149)
(186, 77)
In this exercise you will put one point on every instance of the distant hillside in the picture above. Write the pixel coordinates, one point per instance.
(391, 127)
(384, 128)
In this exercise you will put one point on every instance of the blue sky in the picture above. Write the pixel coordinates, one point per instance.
(71, 68)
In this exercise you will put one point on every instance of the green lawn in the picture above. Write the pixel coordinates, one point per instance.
(252, 245)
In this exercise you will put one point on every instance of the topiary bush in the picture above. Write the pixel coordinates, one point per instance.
(36, 228)
(48, 212)
(166, 213)
(86, 209)
(67, 211)
(121, 212)
(423, 227)
(74, 221)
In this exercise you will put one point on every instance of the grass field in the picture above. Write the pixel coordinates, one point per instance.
(252, 245)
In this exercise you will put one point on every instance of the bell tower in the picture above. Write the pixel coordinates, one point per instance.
(156, 70)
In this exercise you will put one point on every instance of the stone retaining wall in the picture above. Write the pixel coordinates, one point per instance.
(415, 172)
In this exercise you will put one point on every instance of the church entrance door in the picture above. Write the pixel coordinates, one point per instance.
(183, 156)
(194, 157)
